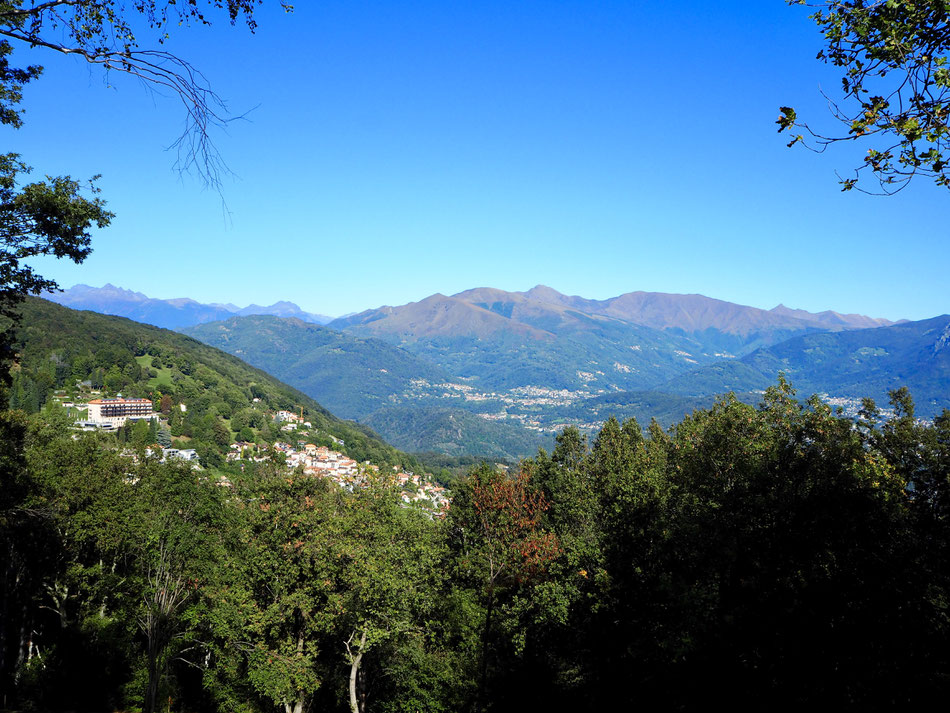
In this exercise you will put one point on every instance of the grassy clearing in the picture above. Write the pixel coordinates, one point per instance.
(164, 377)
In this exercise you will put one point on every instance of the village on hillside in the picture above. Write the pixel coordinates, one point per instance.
(296, 453)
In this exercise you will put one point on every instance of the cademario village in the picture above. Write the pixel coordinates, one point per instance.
(119, 414)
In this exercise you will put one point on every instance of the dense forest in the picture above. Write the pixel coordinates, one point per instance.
(775, 556)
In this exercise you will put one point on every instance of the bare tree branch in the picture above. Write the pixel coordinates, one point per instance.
(101, 32)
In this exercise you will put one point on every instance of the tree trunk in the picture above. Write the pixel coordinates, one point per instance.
(151, 690)
(355, 662)
(486, 634)
(297, 706)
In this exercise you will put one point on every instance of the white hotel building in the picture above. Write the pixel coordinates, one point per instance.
(117, 411)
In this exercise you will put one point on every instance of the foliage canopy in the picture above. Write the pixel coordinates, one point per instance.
(895, 88)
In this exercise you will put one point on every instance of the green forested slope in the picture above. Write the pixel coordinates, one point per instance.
(666, 408)
(455, 432)
(222, 394)
(856, 364)
(372, 381)
(350, 375)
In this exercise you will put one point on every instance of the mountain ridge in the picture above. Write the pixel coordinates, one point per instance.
(743, 327)
(175, 313)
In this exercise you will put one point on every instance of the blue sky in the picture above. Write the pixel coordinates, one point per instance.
(393, 150)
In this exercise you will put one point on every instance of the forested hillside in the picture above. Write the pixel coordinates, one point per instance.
(854, 364)
(750, 558)
(349, 375)
(224, 399)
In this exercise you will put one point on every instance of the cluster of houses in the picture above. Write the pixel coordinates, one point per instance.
(320, 461)
(164, 454)
(421, 491)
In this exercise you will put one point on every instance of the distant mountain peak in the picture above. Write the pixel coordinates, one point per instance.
(109, 290)
(544, 293)
(171, 314)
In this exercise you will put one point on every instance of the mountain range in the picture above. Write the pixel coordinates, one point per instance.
(169, 314)
(500, 372)
(496, 373)
(541, 313)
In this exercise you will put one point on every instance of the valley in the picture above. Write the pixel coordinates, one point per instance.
(498, 374)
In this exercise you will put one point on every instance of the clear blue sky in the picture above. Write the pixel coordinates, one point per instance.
(393, 150)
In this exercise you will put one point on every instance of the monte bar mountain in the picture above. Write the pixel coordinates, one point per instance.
(169, 314)
(541, 311)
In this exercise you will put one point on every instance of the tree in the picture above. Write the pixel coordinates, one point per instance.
(79, 532)
(41, 218)
(275, 605)
(388, 580)
(103, 32)
(501, 546)
(895, 87)
(53, 217)
(179, 518)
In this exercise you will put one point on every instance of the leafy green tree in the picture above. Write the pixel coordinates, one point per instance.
(895, 87)
(181, 521)
(275, 607)
(220, 433)
(389, 582)
(37, 219)
(140, 434)
(791, 560)
(25, 537)
(83, 631)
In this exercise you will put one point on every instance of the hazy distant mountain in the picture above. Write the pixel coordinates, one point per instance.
(170, 314)
(632, 342)
(829, 317)
(856, 363)
(505, 340)
(437, 316)
(717, 324)
(696, 313)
